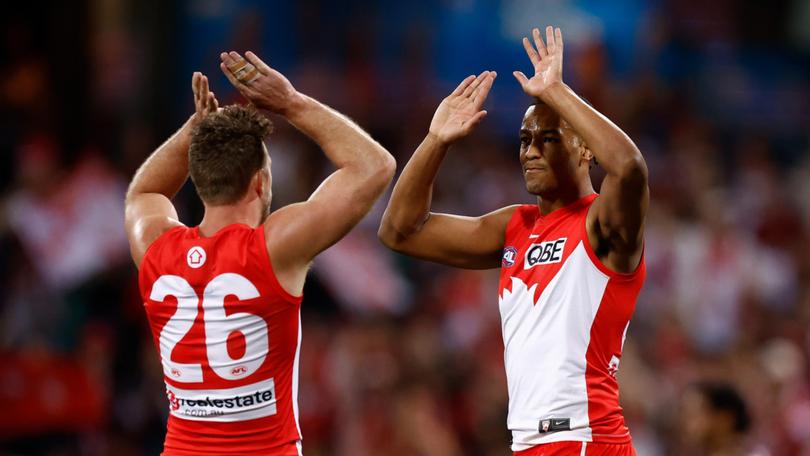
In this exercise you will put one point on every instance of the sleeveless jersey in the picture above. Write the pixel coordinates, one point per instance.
(564, 317)
(229, 337)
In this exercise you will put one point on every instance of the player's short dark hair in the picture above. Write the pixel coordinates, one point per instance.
(226, 151)
(722, 397)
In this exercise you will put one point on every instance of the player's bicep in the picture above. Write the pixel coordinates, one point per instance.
(464, 242)
(147, 216)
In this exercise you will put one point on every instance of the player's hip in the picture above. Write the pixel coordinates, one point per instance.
(568, 448)
(286, 449)
(275, 435)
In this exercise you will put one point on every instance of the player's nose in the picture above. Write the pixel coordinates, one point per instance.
(532, 152)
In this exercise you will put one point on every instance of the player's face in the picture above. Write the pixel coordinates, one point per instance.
(549, 150)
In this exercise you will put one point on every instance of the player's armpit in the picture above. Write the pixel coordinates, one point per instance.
(464, 242)
(147, 217)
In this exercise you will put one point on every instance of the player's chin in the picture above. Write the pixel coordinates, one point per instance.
(535, 186)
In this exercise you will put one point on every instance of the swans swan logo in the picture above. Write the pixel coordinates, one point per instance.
(195, 257)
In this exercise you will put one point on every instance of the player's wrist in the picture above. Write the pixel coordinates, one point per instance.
(296, 105)
(437, 140)
(548, 94)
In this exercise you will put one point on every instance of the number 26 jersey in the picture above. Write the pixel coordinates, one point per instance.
(229, 338)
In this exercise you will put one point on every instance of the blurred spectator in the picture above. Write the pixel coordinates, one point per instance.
(715, 420)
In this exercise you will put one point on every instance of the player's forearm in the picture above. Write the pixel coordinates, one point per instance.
(166, 170)
(345, 144)
(613, 149)
(410, 201)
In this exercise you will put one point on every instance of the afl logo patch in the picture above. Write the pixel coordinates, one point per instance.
(509, 255)
(195, 257)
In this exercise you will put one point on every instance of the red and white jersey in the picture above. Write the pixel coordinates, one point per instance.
(229, 338)
(564, 317)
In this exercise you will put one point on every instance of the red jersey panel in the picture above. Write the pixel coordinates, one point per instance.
(564, 317)
(229, 337)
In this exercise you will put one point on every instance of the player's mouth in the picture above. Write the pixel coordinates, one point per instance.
(534, 169)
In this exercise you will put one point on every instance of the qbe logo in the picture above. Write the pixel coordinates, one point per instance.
(544, 253)
(509, 255)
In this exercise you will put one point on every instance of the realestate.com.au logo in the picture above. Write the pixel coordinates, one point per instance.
(219, 406)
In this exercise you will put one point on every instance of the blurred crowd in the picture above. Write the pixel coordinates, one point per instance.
(403, 357)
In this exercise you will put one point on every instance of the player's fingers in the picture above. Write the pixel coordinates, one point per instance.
(481, 93)
(470, 88)
(533, 56)
(463, 85)
(538, 41)
(550, 39)
(226, 58)
(212, 102)
(201, 94)
(257, 62)
(229, 60)
(204, 90)
(521, 78)
(194, 81)
(558, 39)
(235, 82)
(238, 62)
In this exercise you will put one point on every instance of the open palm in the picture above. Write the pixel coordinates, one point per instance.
(547, 60)
(459, 113)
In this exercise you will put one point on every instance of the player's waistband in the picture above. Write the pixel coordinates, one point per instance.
(571, 448)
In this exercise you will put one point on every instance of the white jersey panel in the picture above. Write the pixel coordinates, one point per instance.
(545, 347)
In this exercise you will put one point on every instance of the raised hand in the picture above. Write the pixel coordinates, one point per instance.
(261, 85)
(547, 60)
(459, 113)
(204, 100)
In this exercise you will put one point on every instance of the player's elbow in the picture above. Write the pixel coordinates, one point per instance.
(379, 174)
(633, 169)
(386, 233)
(391, 235)
(387, 168)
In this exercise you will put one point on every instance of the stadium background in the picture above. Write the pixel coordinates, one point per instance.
(403, 357)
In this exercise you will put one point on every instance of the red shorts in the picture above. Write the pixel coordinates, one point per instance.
(579, 449)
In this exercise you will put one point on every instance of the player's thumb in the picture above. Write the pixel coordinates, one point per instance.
(521, 78)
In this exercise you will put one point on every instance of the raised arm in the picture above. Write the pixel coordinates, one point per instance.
(298, 232)
(616, 220)
(409, 227)
(148, 209)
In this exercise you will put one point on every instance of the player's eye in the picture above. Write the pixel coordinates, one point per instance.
(550, 139)
(524, 141)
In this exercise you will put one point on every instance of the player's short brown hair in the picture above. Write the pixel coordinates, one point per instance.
(226, 151)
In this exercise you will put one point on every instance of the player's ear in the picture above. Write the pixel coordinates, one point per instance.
(585, 154)
(258, 182)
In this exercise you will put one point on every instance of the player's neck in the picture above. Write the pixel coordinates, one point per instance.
(564, 196)
(218, 217)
